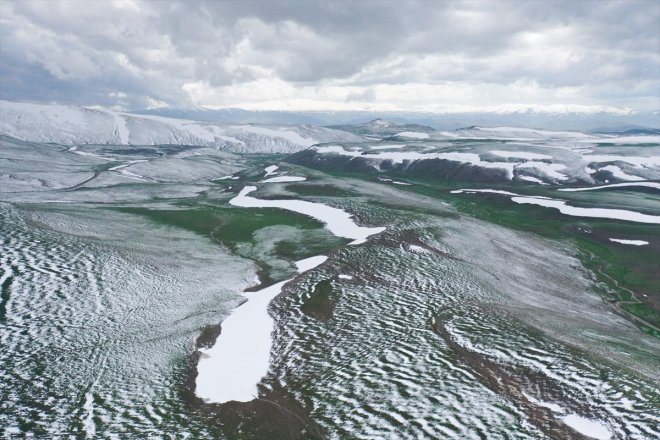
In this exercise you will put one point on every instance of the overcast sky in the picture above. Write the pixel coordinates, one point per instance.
(379, 55)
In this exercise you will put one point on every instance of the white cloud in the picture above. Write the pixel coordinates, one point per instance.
(338, 55)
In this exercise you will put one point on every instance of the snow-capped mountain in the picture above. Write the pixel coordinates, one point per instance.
(77, 125)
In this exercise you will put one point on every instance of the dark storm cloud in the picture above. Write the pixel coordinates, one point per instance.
(133, 53)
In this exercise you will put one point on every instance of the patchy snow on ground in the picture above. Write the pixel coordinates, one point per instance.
(619, 173)
(564, 208)
(345, 277)
(614, 185)
(270, 170)
(520, 154)
(280, 179)
(631, 242)
(588, 427)
(413, 135)
(532, 179)
(487, 191)
(549, 169)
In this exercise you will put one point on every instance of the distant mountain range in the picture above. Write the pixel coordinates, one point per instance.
(603, 120)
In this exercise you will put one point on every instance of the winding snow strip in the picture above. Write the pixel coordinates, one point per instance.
(616, 214)
(637, 161)
(487, 191)
(337, 221)
(280, 179)
(520, 154)
(620, 174)
(127, 164)
(588, 427)
(614, 185)
(233, 367)
(631, 242)
(386, 147)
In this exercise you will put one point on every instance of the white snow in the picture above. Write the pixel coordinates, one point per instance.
(637, 161)
(616, 214)
(289, 135)
(127, 164)
(614, 185)
(631, 242)
(280, 179)
(620, 174)
(270, 170)
(346, 277)
(588, 427)
(488, 191)
(337, 221)
(549, 169)
(399, 157)
(233, 367)
(647, 139)
(532, 179)
(228, 177)
(386, 147)
(413, 135)
(520, 154)
(310, 263)
(121, 129)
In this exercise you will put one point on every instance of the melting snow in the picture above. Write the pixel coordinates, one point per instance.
(270, 170)
(532, 179)
(614, 185)
(337, 221)
(616, 214)
(588, 427)
(310, 263)
(413, 135)
(632, 242)
(620, 174)
(280, 179)
(520, 154)
(233, 367)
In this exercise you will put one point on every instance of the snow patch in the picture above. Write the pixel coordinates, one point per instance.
(631, 242)
(280, 179)
(270, 170)
(413, 135)
(590, 428)
(337, 221)
(521, 154)
(614, 185)
(310, 263)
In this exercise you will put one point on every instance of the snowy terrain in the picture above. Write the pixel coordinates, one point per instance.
(503, 154)
(76, 125)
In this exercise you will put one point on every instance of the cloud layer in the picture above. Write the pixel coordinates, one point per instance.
(398, 55)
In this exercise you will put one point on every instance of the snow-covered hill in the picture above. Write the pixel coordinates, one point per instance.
(76, 125)
(499, 154)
